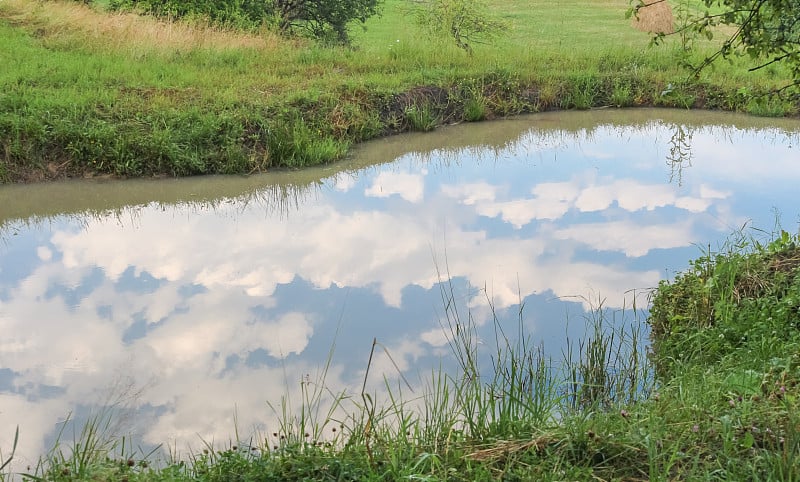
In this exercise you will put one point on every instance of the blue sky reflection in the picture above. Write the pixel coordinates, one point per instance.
(201, 309)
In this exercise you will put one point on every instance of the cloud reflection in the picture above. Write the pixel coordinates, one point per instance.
(628, 237)
(193, 304)
(408, 186)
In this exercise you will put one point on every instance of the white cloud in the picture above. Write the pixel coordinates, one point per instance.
(410, 187)
(628, 237)
(551, 201)
(693, 205)
(707, 192)
(520, 212)
(556, 191)
(758, 158)
(471, 193)
(44, 253)
(629, 194)
(436, 337)
(392, 362)
(32, 422)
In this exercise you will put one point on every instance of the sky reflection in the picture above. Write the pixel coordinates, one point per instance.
(188, 302)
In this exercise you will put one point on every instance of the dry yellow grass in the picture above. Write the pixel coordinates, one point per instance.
(125, 31)
(656, 17)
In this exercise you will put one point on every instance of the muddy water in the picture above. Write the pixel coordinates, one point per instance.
(188, 303)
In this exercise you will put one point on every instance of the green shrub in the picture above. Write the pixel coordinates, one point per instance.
(321, 19)
(748, 293)
(230, 13)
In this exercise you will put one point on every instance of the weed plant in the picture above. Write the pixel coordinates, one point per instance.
(422, 117)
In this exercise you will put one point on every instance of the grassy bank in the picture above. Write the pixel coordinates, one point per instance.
(715, 399)
(87, 92)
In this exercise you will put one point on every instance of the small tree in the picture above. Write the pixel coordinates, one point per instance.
(465, 21)
(323, 19)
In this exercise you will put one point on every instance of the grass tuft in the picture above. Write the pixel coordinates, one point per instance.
(422, 117)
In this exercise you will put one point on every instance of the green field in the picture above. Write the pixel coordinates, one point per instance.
(87, 92)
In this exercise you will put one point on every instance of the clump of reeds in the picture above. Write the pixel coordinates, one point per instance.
(655, 17)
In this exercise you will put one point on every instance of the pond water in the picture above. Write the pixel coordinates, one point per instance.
(195, 302)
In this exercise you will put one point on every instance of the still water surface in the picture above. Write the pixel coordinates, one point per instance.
(196, 301)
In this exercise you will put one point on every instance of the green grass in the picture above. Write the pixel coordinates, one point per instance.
(88, 92)
(715, 399)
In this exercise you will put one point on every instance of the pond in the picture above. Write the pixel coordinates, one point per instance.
(193, 304)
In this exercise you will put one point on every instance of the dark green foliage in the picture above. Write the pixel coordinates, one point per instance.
(744, 298)
(326, 20)
(230, 13)
(727, 330)
(769, 29)
(323, 19)
(766, 31)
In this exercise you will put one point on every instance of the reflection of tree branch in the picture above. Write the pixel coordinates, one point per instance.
(680, 152)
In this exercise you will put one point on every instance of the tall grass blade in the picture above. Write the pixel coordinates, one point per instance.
(13, 450)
